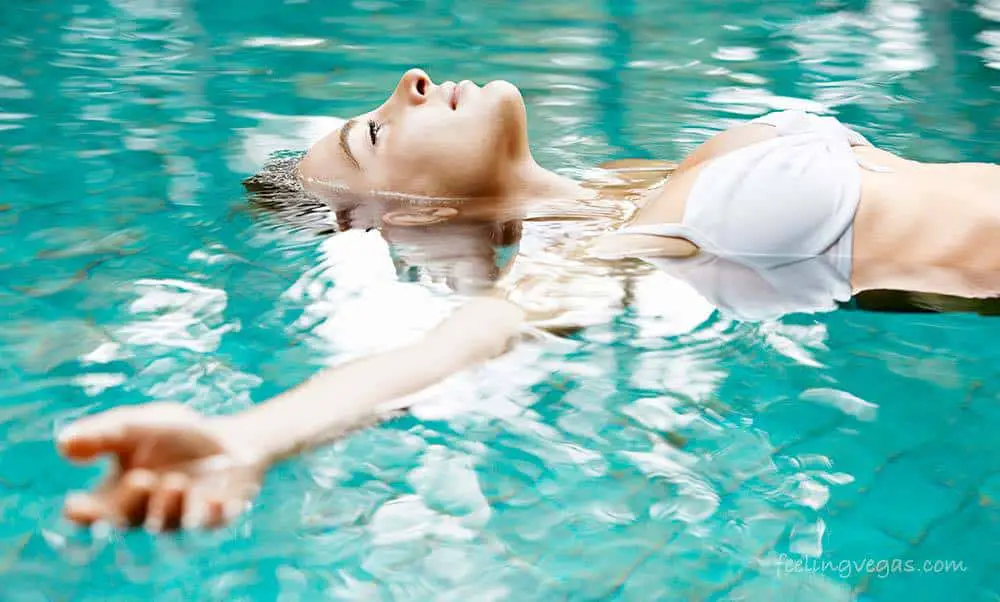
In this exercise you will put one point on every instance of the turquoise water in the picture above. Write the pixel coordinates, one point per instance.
(675, 454)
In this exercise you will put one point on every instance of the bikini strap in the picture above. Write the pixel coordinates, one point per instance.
(671, 230)
(668, 230)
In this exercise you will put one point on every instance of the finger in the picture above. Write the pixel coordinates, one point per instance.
(214, 514)
(193, 516)
(236, 502)
(132, 497)
(84, 509)
(233, 508)
(95, 435)
(203, 509)
(166, 505)
(108, 431)
(82, 442)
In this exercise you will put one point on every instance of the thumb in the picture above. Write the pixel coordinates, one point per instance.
(117, 431)
(91, 437)
(107, 432)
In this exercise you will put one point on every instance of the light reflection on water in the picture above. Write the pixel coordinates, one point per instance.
(674, 453)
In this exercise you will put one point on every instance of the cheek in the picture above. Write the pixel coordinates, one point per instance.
(459, 155)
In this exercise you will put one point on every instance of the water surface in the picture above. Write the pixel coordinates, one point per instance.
(675, 453)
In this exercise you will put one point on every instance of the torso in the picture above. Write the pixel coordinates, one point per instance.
(667, 204)
(928, 213)
(933, 214)
(945, 215)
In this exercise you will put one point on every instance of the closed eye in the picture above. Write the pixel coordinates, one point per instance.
(373, 130)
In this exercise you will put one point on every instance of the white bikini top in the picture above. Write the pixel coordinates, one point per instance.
(780, 200)
(806, 286)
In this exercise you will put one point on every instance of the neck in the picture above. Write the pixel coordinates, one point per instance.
(537, 184)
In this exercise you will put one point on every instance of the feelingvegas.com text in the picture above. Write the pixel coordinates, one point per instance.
(876, 567)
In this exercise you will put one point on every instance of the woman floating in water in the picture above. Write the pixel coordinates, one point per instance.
(793, 200)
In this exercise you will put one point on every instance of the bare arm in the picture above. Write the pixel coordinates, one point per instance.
(176, 467)
(359, 393)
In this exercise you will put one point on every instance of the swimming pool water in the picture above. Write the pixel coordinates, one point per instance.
(675, 454)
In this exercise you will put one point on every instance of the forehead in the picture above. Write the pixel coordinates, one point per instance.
(343, 141)
(331, 160)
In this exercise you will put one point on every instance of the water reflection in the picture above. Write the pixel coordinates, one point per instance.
(675, 453)
(438, 247)
(988, 9)
(741, 292)
(817, 286)
(902, 46)
(991, 39)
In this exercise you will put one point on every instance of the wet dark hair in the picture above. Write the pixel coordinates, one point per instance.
(277, 193)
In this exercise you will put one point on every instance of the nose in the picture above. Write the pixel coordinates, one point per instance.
(414, 87)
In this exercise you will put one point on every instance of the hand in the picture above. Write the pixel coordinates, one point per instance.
(175, 468)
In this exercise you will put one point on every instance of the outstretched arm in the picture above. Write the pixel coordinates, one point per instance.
(176, 467)
(367, 390)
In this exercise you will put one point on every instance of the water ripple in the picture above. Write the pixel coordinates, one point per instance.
(672, 453)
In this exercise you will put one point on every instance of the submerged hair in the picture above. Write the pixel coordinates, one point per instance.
(278, 192)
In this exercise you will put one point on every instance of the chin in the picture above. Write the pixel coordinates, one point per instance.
(504, 88)
(507, 100)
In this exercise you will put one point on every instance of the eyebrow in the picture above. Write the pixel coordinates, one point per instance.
(344, 133)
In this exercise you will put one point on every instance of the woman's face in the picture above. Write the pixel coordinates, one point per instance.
(440, 140)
